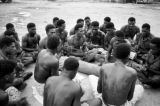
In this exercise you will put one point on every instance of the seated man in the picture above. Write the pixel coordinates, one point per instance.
(79, 21)
(118, 39)
(8, 52)
(110, 33)
(77, 42)
(117, 81)
(50, 31)
(55, 20)
(30, 44)
(47, 63)
(62, 90)
(61, 32)
(131, 29)
(95, 37)
(151, 76)
(142, 41)
(103, 26)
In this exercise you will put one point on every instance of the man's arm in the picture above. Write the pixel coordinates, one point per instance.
(78, 96)
(99, 86)
(131, 92)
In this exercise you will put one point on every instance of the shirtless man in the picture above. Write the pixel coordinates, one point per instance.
(77, 41)
(116, 80)
(50, 31)
(130, 30)
(79, 21)
(47, 63)
(30, 43)
(61, 32)
(106, 21)
(55, 20)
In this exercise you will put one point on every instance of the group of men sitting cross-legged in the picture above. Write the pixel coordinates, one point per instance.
(124, 56)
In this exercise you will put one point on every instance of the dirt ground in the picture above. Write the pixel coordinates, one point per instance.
(20, 12)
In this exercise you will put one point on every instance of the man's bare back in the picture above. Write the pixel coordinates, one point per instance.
(47, 65)
(60, 91)
(116, 83)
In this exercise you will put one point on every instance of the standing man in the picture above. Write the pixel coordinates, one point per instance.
(95, 37)
(47, 63)
(55, 20)
(30, 44)
(50, 31)
(116, 80)
(131, 29)
(103, 26)
(87, 26)
(61, 90)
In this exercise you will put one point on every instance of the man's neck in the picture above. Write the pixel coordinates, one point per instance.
(52, 51)
(31, 35)
(122, 62)
(65, 75)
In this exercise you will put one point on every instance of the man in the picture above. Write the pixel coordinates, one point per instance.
(95, 37)
(61, 32)
(8, 52)
(110, 33)
(61, 90)
(117, 81)
(115, 41)
(10, 28)
(87, 26)
(103, 27)
(79, 21)
(131, 29)
(55, 20)
(30, 44)
(50, 31)
(151, 76)
(47, 63)
(142, 41)
(77, 42)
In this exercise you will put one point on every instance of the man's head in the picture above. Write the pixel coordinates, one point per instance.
(7, 45)
(155, 46)
(31, 28)
(10, 27)
(87, 20)
(119, 34)
(107, 19)
(122, 51)
(7, 68)
(145, 28)
(80, 21)
(55, 20)
(50, 30)
(53, 42)
(71, 66)
(9, 33)
(131, 21)
(95, 26)
(110, 26)
(61, 24)
(79, 30)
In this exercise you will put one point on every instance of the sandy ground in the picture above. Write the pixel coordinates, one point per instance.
(20, 12)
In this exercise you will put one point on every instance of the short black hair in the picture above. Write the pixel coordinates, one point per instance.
(78, 26)
(122, 51)
(8, 32)
(79, 20)
(6, 67)
(110, 25)
(9, 25)
(60, 22)
(146, 25)
(156, 41)
(53, 42)
(87, 18)
(108, 19)
(95, 23)
(48, 27)
(119, 33)
(6, 41)
(71, 64)
(55, 19)
(131, 19)
(31, 25)
(4, 98)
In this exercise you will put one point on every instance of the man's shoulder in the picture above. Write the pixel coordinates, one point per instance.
(132, 71)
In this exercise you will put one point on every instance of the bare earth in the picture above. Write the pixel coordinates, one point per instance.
(20, 12)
